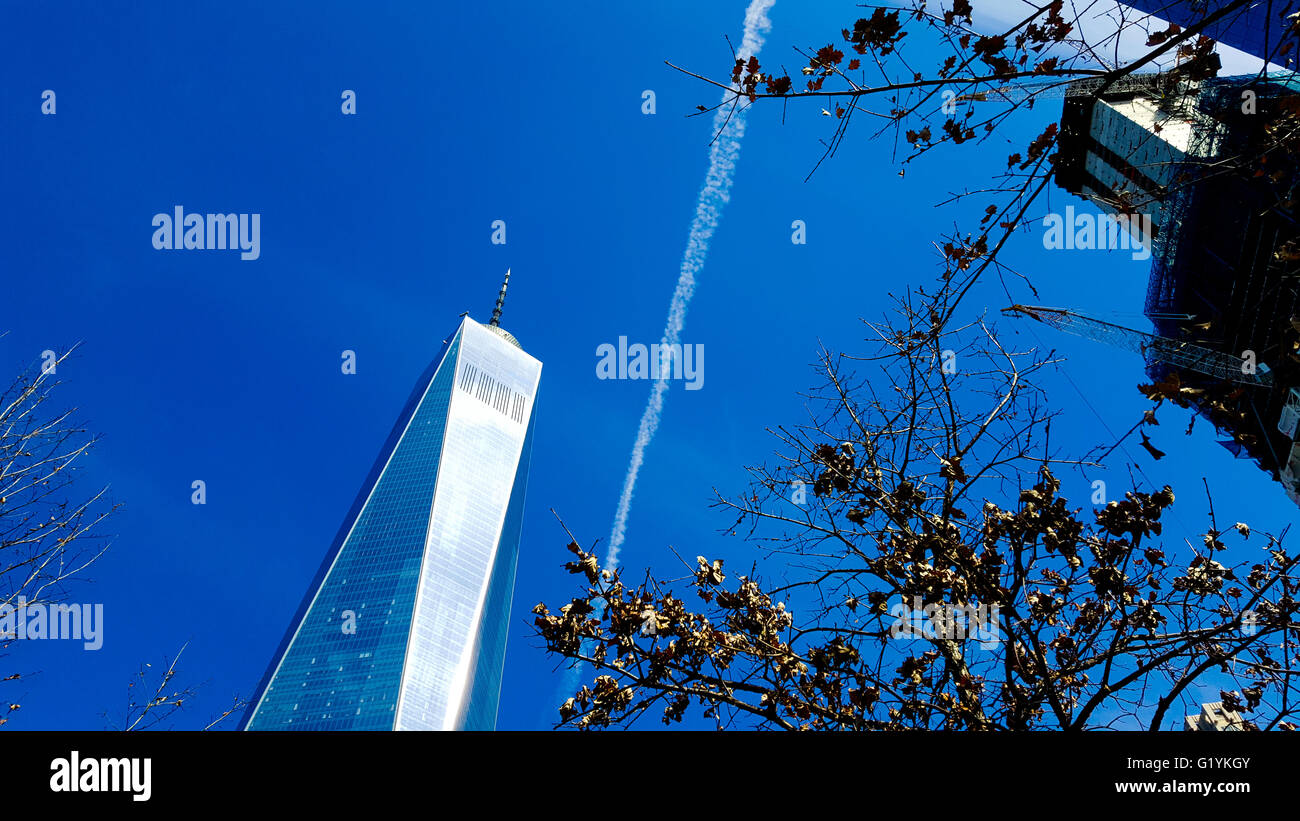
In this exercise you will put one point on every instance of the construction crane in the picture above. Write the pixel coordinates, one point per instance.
(1183, 355)
(1055, 89)
(1171, 85)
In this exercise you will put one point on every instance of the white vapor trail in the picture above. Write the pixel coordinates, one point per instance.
(713, 197)
(708, 210)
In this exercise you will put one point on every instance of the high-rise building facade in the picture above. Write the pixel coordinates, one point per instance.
(1214, 718)
(1210, 159)
(404, 627)
(1124, 149)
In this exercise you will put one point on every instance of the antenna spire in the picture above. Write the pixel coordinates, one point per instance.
(501, 301)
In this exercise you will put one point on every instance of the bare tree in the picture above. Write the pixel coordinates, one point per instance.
(49, 524)
(899, 592)
(50, 532)
(922, 568)
(154, 705)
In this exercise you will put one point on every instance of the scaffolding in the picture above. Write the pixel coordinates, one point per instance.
(1221, 127)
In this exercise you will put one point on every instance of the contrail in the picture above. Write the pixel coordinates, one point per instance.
(708, 210)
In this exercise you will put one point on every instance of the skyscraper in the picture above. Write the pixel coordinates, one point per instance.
(1224, 264)
(1123, 149)
(404, 627)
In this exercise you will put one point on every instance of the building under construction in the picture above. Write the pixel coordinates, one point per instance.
(1215, 163)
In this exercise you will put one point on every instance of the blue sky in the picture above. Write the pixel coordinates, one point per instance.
(375, 235)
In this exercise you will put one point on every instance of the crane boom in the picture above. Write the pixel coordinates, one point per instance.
(1055, 89)
(1184, 355)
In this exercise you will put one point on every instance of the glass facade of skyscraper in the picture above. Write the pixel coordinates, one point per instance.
(405, 626)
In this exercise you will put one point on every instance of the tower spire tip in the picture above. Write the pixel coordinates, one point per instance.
(501, 301)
